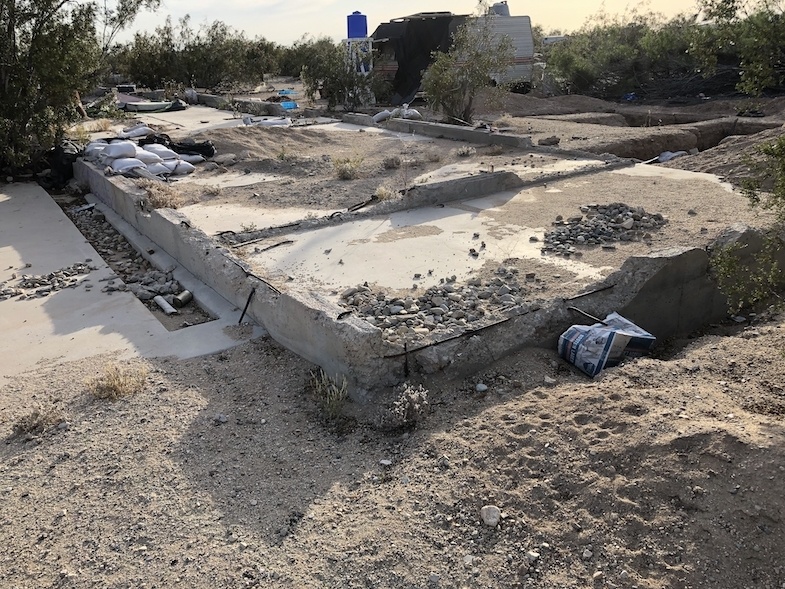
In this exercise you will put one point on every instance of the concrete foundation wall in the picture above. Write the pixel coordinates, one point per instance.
(669, 293)
(303, 321)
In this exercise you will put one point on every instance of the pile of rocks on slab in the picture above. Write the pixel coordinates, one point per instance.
(42, 285)
(601, 225)
(446, 309)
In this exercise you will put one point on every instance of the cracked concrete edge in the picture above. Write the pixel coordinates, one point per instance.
(668, 293)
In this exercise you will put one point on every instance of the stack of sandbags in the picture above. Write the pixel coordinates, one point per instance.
(123, 156)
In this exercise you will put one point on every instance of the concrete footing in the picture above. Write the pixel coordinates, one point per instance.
(668, 293)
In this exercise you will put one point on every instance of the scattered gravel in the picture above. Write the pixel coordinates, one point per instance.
(445, 310)
(34, 286)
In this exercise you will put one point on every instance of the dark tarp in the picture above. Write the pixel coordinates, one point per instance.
(414, 39)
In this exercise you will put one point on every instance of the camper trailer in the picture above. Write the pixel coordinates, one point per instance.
(404, 48)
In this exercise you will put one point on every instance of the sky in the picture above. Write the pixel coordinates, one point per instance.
(285, 21)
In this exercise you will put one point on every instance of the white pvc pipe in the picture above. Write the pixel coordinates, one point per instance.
(165, 307)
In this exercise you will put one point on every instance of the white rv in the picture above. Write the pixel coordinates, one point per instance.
(404, 48)
(519, 30)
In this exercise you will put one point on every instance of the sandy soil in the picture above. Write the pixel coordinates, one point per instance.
(223, 473)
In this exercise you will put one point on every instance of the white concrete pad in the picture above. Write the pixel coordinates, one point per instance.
(75, 323)
(213, 219)
(389, 251)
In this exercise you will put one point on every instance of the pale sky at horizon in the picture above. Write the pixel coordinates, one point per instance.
(285, 21)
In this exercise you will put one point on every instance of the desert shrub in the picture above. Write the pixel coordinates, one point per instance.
(37, 421)
(408, 407)
(392, 162)
(117, 382)
(751, 34)
(213, 56)
(453, 80)
(466, 151)
(333, 75)
(384, 192)
(347, 168)
(750, 278)
(49, 51)
(160, 195)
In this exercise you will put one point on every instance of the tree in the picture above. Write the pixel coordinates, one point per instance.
(752, 30)
(453, 80)
(49, 49)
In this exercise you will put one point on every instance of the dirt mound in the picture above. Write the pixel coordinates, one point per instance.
(526, 105)
(728, 160)
(663, 473)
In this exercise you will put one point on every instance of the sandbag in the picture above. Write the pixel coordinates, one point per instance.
(161, 151)
(141, 131)
(158, 169)
(125, 164)
(94, 148)
(183, 168)
(148, 157)
(123, 149)
(192, 158)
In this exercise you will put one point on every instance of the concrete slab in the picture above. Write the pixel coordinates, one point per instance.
(389, 251)
(76, 323)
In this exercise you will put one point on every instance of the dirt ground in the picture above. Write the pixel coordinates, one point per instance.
(223, 472)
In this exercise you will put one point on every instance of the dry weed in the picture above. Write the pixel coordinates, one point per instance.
(495, 150)
(160, 195)
(433, 156)
(392, 162)
(466, 151)
(38, 421)
(348, 168)
(213, 190)
(384, 192)
(505, 120)
(330, 394)
(117, 382)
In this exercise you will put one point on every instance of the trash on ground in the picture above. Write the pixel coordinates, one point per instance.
(592, 348)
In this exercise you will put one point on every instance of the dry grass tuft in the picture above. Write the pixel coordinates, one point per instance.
(160, 195)
(392, 162)
(117, 382)
(330, 394)
(505, 120)
(213, 190)
(466, 151)
(38, 421)
(433, 156)
(348, 168)
(384, 192)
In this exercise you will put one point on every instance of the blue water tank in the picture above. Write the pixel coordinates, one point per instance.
(358, 25)
(501, 8)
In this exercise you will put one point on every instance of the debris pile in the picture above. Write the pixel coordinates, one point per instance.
(445, 309)
(139, 277)
(31, 286)
(601, 225)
